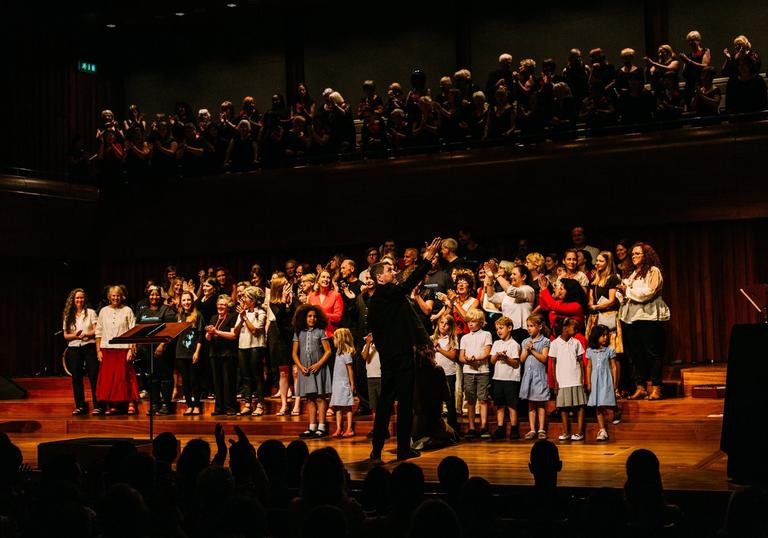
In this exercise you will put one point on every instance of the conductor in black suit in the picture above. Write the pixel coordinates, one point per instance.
(397, 332)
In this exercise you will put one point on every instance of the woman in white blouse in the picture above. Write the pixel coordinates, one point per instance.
(79, 332)
(642, 314)
(117, 379)
(515, 299)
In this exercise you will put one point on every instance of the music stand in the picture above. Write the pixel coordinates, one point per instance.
(757, 294)
(151, 334)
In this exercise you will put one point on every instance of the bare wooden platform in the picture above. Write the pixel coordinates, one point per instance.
(683, 432)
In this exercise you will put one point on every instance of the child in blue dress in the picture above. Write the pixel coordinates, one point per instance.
(534, 386)
(311, 352)
(601, 376)
(342, 394)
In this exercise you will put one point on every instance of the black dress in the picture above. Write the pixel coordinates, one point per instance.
(280, 335)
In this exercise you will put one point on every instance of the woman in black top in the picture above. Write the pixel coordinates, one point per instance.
(222, 349)
(746, 92)
(478, 115)
(214, 147)
(191, 152)
(305, 104)
(137, 155)
(657, 69)
(161, 384)
(694, 63)
(135, 119)
(188, 350)
(706, 99)
(242, 150)
(164, 164)
(280, 338)
(501, 116)
(206, 305)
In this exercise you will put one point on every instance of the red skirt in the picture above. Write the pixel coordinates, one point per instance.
(117, 378)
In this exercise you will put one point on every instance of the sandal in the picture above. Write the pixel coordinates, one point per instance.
(259, 410)
(78, 411)
(196, 411)
(112, 411)
(348, 433)
(245, 411)
(282, 412)
(296, 412)
(188, 411)
(97, 411)
(131, 409)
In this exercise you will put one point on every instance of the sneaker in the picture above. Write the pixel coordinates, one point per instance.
(530, 436)
(602, 435)
(471, 434)
(499, 434)
(485, 434)
(617, 416)
(564, 437)
(577, 437)
(542, 434)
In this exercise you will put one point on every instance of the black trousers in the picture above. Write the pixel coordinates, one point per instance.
(453, 421)
(161, 383)
(225, 382)
(397, 379)
(645, 343)
(190, 381)
(82, 360)
(251, 364)
(361, 383)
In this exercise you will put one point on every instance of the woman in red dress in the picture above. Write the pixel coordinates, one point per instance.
(117, 378)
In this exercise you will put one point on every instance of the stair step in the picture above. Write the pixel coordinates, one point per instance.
(703, 375)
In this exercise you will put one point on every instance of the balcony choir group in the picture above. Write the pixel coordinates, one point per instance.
(518, 103)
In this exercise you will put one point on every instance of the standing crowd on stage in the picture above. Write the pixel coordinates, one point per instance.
(520, 102)
(583, 327)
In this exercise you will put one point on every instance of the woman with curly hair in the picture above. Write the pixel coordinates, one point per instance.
(461, 299)
(79, 332)
(642, 312)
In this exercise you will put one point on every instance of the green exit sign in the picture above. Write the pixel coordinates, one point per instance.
(86, 67)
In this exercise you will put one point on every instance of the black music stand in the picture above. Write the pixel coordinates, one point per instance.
(757, 295)
(152, 334)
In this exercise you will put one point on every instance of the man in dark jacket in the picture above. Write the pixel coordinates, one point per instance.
(397, 332)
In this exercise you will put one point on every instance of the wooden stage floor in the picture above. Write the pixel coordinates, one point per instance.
(683, 432)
